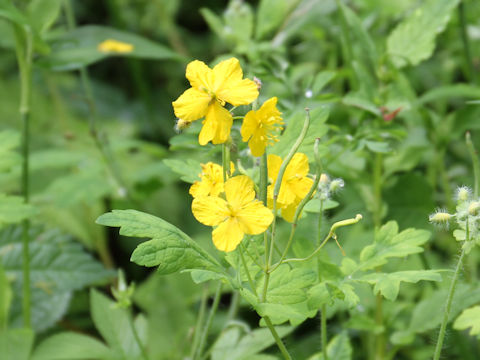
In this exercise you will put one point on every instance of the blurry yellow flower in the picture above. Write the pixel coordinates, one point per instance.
(115, 46)
(211, 180)
(236, 216)
(295, 183)
(211, 89)
(260, 127)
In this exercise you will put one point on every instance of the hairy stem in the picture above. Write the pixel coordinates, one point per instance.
(198, 325)
(323, 316)
(448, 305)
(136, 336)
(277, 338)
(475, 163)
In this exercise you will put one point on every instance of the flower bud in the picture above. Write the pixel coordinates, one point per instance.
(336, 184)
(474, 207)
(463, 193)
(324, 179)
(181, 125)
(440, 217)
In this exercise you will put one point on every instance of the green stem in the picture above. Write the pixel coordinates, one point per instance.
(347, 44)
(208, 323)
(226, 161)
(472, 75)
(475, 163)
(446, 313)
(377, 190)
(277, 338)
(263, 178)
(136, 336)
(24, 51)
(324, 330)
(198, 325)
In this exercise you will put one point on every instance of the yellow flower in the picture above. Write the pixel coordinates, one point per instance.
(236, 216)
(295, 183)
(211, 89)
(211, 180)
(115, 46)
(259, 127)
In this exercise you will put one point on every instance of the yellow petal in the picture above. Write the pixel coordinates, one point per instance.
(269, 108)
(216, 126)
(297, 167)
(211, 180)
(249, 125)
(229, 85)
(199, 75)
(227, 235)
(273, 164)
(191, 105)
(239, 191)
(300, 187)
(210, 210)
(254, 218)
(257, 144)
(288, 212)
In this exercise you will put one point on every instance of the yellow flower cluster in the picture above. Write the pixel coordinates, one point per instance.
(211, 89)
(229, 204)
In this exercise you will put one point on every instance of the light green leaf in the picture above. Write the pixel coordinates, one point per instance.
(389, 243)
(389, 284)
(114, 325)
(170, 249)
(16, 344)
(231, 345)
(448, 92)
(43, 13)
(313, 205)
(13, 209)
(189, 168)
(321, 80)
(280, 313)
(71, 346)
(79, 47)
(339, 348)
(287, 286)
(469, 318)
(359, 101)
(413, 40)
(270, 15)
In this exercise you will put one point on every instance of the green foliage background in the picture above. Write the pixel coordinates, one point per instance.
(398, 81)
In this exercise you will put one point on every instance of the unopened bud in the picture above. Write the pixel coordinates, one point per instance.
(463, 193)
(440, 217)
(181, 125)
(474, 207)
(336, 184)
(324, 179)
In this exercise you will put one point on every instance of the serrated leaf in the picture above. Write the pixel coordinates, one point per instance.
(231, 345)
(281, 313)
(286, 286)
(71, 346)
(79, 47)
(188, 169)
(469, 318)
(170, 249)
(389, 243)
(114, 325)
(413, 40)
(389, 284)
(16, 344)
